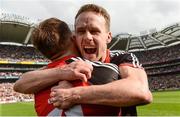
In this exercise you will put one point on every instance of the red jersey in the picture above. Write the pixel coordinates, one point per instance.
(43, 108)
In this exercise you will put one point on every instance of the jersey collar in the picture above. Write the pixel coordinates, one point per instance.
(60, 61)
(107, 59)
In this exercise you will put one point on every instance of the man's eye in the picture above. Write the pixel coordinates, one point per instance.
(81, 31)
(94, 32)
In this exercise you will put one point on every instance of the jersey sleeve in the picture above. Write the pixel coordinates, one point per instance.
(102, 72)
(121, 58)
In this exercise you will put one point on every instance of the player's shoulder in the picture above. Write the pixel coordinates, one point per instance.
(120, 57)
(96, 64)
(72, 59)
(114, 53)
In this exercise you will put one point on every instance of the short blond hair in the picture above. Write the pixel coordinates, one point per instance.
(97, 9)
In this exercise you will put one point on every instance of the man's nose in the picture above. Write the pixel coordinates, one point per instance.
(88, 36)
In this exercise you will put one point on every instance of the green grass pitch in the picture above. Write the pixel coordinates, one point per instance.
(17, 109)
(166, 103)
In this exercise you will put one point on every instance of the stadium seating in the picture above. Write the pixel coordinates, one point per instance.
(162, 66)
(14, 53)
(8, 95)
(15, 60)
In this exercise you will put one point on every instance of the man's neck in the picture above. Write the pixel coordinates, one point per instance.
(67, 53)
(106, 58)
(71, 50)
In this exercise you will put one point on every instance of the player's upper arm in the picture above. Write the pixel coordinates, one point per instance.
(139, 79)
(131, 72)
(42, 68)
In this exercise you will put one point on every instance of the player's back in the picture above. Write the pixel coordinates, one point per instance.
(102, 74)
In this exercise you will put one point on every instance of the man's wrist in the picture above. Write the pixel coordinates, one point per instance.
(83, 95)
(59, 73)
(76, 95)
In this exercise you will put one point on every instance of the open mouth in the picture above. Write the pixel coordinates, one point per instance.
(90, 50)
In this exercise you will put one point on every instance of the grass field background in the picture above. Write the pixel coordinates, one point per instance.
(166, 103)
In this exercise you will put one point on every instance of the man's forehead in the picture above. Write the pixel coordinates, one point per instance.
(86, 19)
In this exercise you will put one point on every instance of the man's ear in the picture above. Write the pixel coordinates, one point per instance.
(109, 37)
(73, 37)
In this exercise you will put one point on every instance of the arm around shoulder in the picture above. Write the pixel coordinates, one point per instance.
(137, 84)
(34, 81)
(131, 90)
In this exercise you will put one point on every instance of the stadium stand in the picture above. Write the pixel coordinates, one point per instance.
(158, 51)
(8, 95)
(157, 55)
(16, 54)
(19, 54)
(165, 82)
(162, 66)
(15, 60)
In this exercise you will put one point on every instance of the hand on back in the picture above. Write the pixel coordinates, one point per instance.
(78, 70)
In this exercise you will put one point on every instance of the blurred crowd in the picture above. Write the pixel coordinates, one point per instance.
(159, 55)
(164, 82)
(20, 53)
(8, 95)
(10, 74)
(161, 70)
